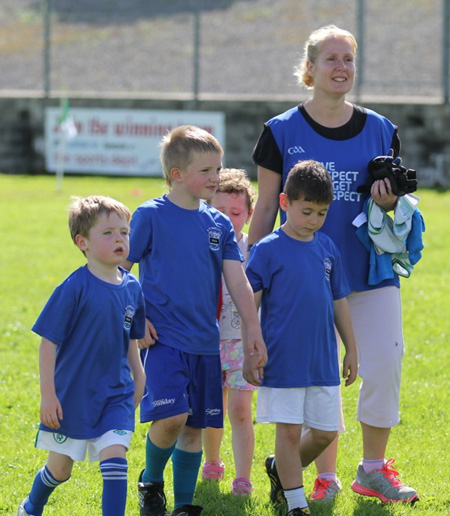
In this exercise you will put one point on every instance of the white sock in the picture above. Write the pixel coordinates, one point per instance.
(296, 498)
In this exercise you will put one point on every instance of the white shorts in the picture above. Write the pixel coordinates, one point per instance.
(377, 323)
(315, 407)
(76, 448)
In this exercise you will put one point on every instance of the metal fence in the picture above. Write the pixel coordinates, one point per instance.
(194, 48)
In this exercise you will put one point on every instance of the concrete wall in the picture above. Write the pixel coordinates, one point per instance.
(424, 129)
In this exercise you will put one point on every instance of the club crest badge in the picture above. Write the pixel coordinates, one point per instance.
(214, 235)
(59, 438)
(328, 266)
(129, 313)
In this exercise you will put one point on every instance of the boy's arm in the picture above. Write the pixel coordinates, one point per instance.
(250, 370)
(51, 410)
(343, 322)
(242, 295)
(137, 370)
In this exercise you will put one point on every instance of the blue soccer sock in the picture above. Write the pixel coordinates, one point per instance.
(43, 486)
(155, 461)
(185, 473)
(114, 472)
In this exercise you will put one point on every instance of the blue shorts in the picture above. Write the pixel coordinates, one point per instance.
(179, 382)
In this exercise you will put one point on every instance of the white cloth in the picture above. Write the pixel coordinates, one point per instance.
(389, 235)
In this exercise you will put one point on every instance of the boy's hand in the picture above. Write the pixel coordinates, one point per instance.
(257, 347)
(252, 371)
(51, 412)
(255, 357)
(151, 336)
(350, 368)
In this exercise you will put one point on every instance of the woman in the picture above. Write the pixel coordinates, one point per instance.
(344, 138)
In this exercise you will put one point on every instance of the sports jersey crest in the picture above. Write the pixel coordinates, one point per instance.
(328, 266)
(214, 235)
(129, 313)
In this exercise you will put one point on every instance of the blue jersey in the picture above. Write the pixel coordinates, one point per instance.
(345, 152)
(299, 281)
(92, 322)
(180, 254)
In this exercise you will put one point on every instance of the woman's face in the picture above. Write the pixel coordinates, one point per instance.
(334, 70)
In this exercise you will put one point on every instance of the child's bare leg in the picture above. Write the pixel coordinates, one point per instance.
(212, 437)
(313, 443)
(164, 432)
(326, 461)
(190, 439)
(287, 455)
(212, 440)
(60, 466)
(289, 465)
(116, 450)
(243, 435)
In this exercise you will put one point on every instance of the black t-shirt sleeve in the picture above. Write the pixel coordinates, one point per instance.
(396, 144)
(266, 153)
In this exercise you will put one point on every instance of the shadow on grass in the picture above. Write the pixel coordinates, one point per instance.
(217, 503)
(365, 507)
(320, 508)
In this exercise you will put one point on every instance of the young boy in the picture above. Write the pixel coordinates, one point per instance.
(182, 246)
(296, 274)
(88, 397)
(235, 197)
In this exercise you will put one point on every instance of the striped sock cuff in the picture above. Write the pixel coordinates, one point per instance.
(48, 479)
(114, 469)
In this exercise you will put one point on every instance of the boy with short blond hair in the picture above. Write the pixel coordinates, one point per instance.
(88, 397)
(182, 246)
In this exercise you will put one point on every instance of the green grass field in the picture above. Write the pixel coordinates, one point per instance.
(40, 254)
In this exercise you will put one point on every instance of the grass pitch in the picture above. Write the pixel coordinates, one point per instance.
(39, 254)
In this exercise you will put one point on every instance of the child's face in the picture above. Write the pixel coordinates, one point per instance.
(303, 218)
(201, 178)
(108, 240)
(234, 205)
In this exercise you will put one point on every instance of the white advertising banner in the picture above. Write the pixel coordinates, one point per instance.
(118, 141)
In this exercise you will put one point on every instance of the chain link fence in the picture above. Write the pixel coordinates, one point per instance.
(195, 48)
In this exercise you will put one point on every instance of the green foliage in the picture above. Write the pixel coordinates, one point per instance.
(39, 255)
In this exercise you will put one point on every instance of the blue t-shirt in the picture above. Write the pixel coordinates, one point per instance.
(91, 322)
(299, 281)
(345, 152)
(180, 254)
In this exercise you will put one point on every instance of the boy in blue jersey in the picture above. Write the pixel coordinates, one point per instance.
(182, 246)
(89, 329)
(297, 276)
